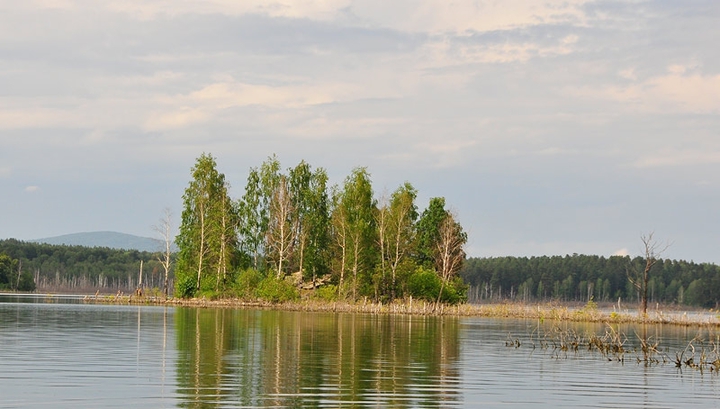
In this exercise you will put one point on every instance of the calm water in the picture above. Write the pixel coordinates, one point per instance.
(72, 355)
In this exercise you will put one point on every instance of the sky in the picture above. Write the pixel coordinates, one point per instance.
(550, 127)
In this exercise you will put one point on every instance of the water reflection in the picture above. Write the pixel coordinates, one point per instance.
(287, 359)
(102, 356)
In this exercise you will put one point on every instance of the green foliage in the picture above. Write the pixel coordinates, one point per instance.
(328, 293)
(276, 290)
(578, 277)
(77, 268)
(6, 269)
(207, 241)
(428, 231)
(355, 216)
(185, 286)
(424, 284)
(219, 238)
(246, 283)
(26, 282)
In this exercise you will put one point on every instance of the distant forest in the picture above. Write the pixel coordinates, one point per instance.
(572, 278)
(581, 277)
(78, 269)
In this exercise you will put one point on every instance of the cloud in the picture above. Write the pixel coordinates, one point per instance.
(5, 172)
(423, 16)
(180, 118)
(672, 93)
(440, 16)
(32, 189)
(678, 158)
(310, 9)
(621, 252)
(446, 53)
(284, 101)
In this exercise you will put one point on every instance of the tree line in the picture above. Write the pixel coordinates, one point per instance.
(583, 277)
(290, 229)
(12, 277)
(61, 268)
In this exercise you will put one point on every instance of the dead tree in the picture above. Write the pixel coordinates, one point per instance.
(165, 231)
(640, 278)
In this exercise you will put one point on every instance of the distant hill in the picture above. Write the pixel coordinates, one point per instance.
(113, 240)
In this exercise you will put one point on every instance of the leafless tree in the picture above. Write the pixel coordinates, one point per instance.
(640, 278)
(165, 231)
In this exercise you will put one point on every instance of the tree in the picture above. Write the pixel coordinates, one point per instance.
(403, 214)
(280, 241)
(254, 208)
(428, 231)
(7, 267)
(639, 277)
(339, 230)
(12, 277)
(206, 240)
(312, 221)
(165, 231)
(299, 187)
(355, 219)
(449, 253)
(395, 220)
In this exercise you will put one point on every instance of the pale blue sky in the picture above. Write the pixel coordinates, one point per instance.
(551, 127)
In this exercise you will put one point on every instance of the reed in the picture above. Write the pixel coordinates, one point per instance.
(545, 311)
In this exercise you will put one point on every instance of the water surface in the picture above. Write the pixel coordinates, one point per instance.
(66, 354)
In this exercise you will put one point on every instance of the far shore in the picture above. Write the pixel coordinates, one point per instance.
(572, 312)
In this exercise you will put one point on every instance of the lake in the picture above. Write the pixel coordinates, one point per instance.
(61, 353)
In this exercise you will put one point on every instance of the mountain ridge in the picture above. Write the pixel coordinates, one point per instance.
(110, 239)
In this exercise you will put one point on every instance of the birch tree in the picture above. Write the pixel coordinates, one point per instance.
(401, 228)
(357, 208)
(254, 207)
(449, 252)
(280, 239)
(312, 222)
(204, 240)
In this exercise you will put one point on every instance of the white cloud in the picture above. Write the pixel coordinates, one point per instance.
(621, 252)
(424, 16)
(5, 172)
(441, 16)
(673, 93)
(180, 118)
(31, 189)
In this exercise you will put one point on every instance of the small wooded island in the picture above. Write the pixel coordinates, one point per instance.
(291, 238)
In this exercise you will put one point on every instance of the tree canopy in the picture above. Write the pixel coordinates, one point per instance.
(291, 230)
(583, 277)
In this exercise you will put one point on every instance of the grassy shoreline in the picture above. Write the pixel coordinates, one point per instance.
(541, 311)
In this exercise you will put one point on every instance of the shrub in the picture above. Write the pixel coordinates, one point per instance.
(328, 293)
(246, 283)
(274, 290)
(185, 286)
(424, 284)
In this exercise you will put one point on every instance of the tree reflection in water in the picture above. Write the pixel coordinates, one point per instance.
(291, 359)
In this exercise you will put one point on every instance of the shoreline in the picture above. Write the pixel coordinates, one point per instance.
(540, 311)
(609, 314)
